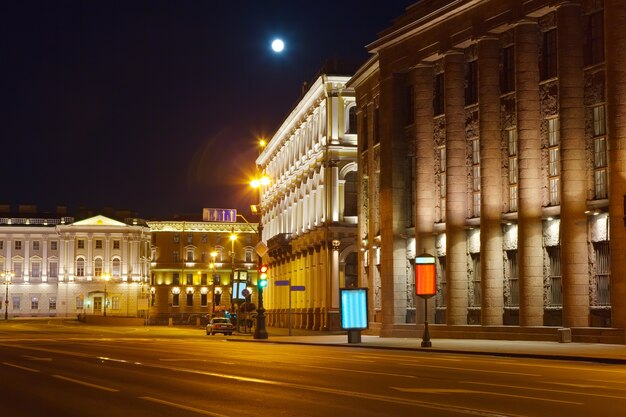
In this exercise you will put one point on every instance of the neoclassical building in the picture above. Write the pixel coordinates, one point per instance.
(491, 135)
(201, 267)
(55, 266)
(309, 211)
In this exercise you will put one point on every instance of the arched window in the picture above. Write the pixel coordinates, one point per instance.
(115, 267)
(350, 197)
(97, 267)
(80, 267)
(351, 122)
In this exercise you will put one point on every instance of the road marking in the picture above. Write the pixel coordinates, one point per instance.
(621, 397)
(467, 391)
(20, 367)
(87, 384)
(183, 407)
(608, 382)
(356, 370)
(37, 358)
(468, 369)
(584, 385)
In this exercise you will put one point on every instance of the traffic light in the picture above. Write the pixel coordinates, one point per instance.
(262, 282)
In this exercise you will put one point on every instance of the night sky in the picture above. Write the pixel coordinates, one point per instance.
(156, 106)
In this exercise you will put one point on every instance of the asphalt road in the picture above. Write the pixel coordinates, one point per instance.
(60, 368)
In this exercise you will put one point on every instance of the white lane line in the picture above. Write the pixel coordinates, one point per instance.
(356, 371)
(183, 407)
(467, 391)
(87, 384)
(37, 358)
(468, 369)
(20, 367)
(591, 386)
(588, 394)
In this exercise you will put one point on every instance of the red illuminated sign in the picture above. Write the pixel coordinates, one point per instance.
(425, 276)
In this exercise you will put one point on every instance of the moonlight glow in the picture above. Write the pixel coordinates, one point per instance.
(278, 45)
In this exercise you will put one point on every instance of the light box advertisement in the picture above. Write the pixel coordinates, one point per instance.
(354, 308)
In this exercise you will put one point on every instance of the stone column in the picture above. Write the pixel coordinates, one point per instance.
(492, 301)
(573, 228)
(424, 186)
(615, 25)
(456, 188)
(392, 199)
(530, 186)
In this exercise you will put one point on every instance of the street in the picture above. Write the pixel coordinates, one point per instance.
(66, 368)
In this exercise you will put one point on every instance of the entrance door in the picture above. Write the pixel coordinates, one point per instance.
(97, 305)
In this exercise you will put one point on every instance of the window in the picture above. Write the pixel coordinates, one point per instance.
(18, 269)
(98, 244)
(442, 183)
(175, 256)
(248, 255)
(507, 70)
(1, 244)
(554, 169)
(189, 238)
(351, 128)
(410, 105)
(16, 300)
(600, 156)
(97, 268)
(411, 185)
(189, 279)
(52, 303)
(175, 300)
(513, 169)
(36, 245)
(476, 177)
(34, 303)
(203, 279)
(476, 296)
(376, 125)
(548, 55)
(350, 194)
(18, 245)
(203, 300)
(513, 300)
(80, 300)
(35, 269)
(81, 244)
(556, 292)
(471, 83)
(595, 38)
(176, 238)
(438, 97)
(115, 302)
(189, 299)
(441, 273)
(54, 245)
(115, 267)
(189, 255)
(603, 274)
(116, 244)
(175, 279)
(53, 269)
(80, 267)
(204, 238)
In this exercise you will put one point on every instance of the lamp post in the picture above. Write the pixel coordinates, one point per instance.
(7, 275)
(234, 284)
(106, 279)
(260, 332)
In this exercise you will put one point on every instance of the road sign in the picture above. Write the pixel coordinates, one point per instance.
(297, 288)
(261, 249)
(284, 283)
(245, 292)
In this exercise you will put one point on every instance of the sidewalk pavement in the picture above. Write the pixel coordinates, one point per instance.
(592, 352)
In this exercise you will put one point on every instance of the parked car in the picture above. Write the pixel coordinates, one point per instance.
(220, 325)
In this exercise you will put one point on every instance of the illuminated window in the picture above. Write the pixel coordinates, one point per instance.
(34, 303)
(554, 169)
(600, 156)
(97, 267)
(513, 169)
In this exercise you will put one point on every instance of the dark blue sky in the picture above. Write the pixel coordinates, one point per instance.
(154, 105)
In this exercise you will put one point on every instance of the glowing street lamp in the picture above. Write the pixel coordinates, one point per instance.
(7, 276)
(260, 332)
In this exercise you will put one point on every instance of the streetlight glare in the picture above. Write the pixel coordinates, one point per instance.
(233, 237)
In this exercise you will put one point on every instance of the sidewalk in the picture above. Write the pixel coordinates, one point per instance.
(594, 352)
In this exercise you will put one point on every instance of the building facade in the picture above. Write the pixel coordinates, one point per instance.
(309, 211)
(55, 266)
(491, 135)
(201, 268)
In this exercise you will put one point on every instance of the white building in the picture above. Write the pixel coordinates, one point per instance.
(309, 211)
(58, 267)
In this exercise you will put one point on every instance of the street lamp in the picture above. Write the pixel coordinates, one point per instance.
(234, 284)
(106, 279)
(7, 275)
(260, 332)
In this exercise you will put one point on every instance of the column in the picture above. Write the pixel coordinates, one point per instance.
(44, 261)
(529, 240)
(615, 25)
(26, 267)
(573, 228)
(492, 301)
(89, 260)
(456, 186)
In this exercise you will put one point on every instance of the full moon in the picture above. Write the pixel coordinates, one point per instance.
(278, 45)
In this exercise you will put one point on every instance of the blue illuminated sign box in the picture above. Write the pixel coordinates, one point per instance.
(354, 308)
